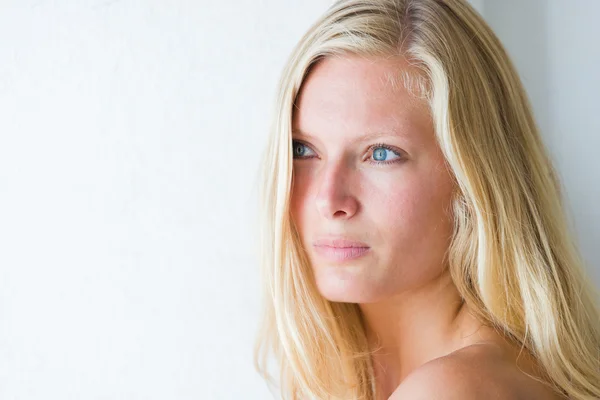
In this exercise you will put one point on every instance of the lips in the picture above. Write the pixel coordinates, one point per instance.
(340, 249)
(339, 243)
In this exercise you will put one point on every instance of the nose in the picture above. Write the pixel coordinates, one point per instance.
(334, 198)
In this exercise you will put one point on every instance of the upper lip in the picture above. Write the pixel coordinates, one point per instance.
(341, 242)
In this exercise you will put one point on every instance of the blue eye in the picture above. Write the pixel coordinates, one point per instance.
(299, 149)
(382, 152)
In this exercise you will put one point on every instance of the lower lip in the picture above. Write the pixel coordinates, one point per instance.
(341, 253)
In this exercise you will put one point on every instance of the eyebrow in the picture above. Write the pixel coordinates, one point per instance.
(362, 138)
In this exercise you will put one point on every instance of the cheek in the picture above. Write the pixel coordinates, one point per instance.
(298, 196)
(400, 213)
(412, 221)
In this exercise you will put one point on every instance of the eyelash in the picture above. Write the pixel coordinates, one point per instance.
(371, 148)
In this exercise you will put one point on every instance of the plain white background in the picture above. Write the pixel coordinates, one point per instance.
(130, 134)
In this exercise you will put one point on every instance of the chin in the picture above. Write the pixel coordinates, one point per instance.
(340, 284)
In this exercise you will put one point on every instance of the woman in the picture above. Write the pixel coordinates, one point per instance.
(414, 242)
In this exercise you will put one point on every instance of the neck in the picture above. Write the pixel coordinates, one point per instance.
(415, 327)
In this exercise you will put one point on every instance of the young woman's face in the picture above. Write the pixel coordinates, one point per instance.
(367, 169)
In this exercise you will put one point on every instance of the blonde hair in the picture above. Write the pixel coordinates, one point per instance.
(512, 257)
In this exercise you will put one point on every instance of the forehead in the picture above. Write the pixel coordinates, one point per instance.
(358, 94)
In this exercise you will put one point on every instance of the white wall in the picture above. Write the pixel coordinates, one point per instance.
(130, 132)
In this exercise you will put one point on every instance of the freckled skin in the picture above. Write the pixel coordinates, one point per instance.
(401, 210)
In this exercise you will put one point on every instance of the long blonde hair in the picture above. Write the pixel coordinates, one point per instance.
(512, 257)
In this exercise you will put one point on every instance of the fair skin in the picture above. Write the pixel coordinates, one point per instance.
(396, 201)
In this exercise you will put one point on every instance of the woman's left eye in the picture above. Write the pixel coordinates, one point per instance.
(384, 155)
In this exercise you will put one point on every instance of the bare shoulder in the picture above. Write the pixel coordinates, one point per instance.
(454, 377)
(471, 373)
